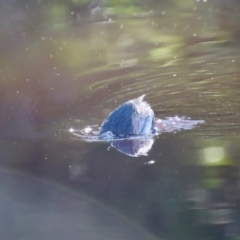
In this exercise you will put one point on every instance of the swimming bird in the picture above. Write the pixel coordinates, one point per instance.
(133, 118)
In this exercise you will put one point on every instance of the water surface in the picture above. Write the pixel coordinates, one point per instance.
(66, 66)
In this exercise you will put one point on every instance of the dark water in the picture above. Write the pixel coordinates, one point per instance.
(65, 65)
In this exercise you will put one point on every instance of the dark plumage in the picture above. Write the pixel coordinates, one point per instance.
(132, 118)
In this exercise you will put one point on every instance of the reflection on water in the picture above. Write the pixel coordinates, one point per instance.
(138, 145)
(134, 147)
(65, 65)
(216, 199)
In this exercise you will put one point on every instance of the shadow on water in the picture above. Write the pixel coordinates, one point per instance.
(65, 65)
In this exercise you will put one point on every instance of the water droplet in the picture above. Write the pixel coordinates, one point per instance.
(150, 162)
(71, 130)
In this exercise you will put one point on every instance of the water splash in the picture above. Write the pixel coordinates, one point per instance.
(136, 146)
(169, 124)
(175, 124)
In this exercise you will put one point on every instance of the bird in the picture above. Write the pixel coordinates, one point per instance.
(133, 118)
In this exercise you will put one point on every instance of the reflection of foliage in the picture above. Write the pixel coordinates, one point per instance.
(57, 16)
(53, 49)
(61, 58)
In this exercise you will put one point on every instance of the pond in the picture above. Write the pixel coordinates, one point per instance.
(65, 66)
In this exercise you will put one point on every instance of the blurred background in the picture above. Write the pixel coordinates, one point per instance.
(67, 64)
